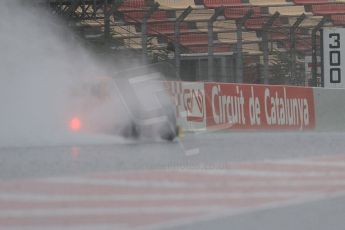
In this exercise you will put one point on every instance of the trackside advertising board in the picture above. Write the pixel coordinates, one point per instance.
(248, 107)
(237, 106)
(189, 99)
(333, 57)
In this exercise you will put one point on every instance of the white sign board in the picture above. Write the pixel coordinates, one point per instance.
(333, 57)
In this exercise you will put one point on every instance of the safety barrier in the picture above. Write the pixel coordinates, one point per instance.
(216, 106)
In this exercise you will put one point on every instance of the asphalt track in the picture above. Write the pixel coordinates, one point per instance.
(221, 180)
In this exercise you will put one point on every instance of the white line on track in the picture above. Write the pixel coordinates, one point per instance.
(261, 173)
(74, 227)
(68, 212)
(323, 183)
(25, 197)
(165, 184)
(118, 182)
(340, 164)
(245, 210)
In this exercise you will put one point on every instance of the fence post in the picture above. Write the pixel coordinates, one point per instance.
(178, 22)
(106, 21)
(293, 44)
(265, 27)
(239, 51)
(147, 15)
(210, 55)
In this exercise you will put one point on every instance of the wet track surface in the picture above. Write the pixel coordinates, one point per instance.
(211, 180)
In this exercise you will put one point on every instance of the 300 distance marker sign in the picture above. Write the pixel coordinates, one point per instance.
(333, 57)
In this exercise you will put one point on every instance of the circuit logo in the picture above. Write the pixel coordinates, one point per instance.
(193, 101)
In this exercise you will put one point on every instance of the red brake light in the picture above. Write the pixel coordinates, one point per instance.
(75, 124)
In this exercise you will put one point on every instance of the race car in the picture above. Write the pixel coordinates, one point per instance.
(131, 106)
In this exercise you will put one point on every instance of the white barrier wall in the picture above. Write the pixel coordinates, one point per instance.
(215, 106)
(329, 109)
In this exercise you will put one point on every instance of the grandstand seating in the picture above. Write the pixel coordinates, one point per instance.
(194, 28)
(162, 23)
(236, 9)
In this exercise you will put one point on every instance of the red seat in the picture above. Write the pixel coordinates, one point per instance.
(165, 28)
(284, 35)
(338, 20)
(309, 2)
(257, 23)
(301, 46)
(328, 9)
(192, 39)
(219, 3)
(278, 36)
(239, 12)
(129, 5)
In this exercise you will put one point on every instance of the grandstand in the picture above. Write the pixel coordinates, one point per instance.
(213, 40)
